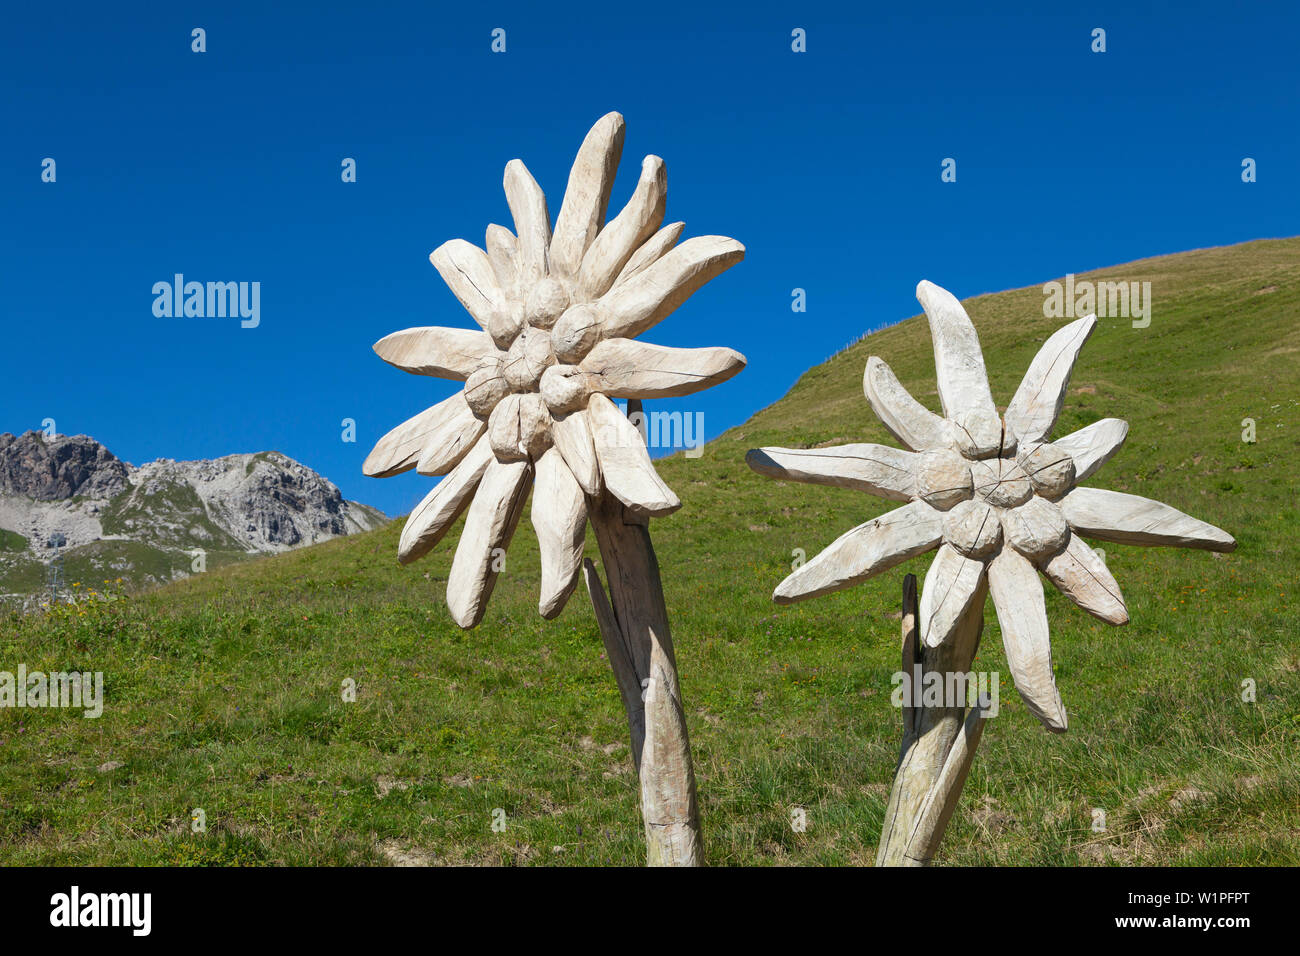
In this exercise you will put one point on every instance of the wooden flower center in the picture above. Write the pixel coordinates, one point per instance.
(1001, 482)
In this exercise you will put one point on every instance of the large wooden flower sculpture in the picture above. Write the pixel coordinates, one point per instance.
(998, 499)
(559, 312)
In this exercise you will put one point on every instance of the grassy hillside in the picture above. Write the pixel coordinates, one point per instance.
(223, 691)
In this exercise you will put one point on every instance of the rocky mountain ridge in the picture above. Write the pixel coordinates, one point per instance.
(145, 524)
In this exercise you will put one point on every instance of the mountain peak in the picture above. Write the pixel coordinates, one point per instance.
(145, 523)
(58, 468)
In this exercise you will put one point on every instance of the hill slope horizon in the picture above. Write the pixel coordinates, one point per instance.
(786, 706)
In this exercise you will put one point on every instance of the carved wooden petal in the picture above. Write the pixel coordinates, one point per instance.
(624, 462)
(502, 249)
(1132, 519)
(907, 419)
(950, 586)
(1034, 409)
(489, 526)
(559, 516)
(958, 361)
(1093, 446)
(437, 351)
(633, 306)
(402, 448)
(572, 438)
(1080, 574)
(1022, 615)
(468, 273)
(637, 222)
(652, 250)
(433, 516)
(627, 368)
(448, 444)
(585, 200)
(866, 550)
(876, 469)
(532, 222)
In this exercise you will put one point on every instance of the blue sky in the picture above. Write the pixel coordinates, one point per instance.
(225, 166)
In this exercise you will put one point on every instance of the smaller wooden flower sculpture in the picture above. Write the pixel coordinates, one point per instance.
(997, 499)
(559, 313)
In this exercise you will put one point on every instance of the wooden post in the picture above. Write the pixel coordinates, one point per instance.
(938, 742)
(634, 627)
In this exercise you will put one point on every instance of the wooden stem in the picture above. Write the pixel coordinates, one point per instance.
(634, 626)
(938, 742)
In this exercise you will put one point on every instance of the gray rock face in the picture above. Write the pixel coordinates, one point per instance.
(144, 524)
(58, 468)
(267, 500)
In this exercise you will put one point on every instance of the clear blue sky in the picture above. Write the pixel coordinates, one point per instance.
(225, 166)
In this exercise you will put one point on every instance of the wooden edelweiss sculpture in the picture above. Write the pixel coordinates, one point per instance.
(560, 312)
(1001, 503)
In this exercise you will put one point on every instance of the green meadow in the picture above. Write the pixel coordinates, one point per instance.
(223, 691)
